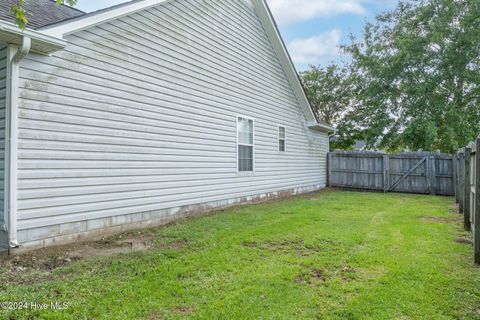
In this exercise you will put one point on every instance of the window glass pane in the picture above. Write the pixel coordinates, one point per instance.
(281, 145)
(281, 132)
(245, 147)
(245, 131)
(245, 158)
(244, 137)
(240, 129)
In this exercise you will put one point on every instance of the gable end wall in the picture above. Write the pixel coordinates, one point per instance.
(134, 123)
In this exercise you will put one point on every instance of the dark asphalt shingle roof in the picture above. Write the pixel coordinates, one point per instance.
(39, 12)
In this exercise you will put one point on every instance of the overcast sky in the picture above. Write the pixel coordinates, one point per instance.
(312, 29)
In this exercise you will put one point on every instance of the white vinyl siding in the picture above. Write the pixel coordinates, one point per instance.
(139, 114)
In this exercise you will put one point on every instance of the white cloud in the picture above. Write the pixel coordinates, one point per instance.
(291, 11)
(318, 49)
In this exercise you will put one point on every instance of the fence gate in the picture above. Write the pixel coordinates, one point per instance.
(417, 172)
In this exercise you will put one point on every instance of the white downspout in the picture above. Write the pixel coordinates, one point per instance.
(15, 56)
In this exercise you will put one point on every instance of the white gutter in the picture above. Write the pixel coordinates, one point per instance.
(314, 125)
(14, 57)
(40, 42)
(20, 43)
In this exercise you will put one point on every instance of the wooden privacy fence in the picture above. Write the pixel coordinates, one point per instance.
(467, 190)
(413, 172)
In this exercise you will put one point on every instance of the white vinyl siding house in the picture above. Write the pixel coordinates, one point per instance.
(155, 115)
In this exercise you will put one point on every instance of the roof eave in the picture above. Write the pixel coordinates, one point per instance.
(313, 125)
(41, 43)
(70, 26)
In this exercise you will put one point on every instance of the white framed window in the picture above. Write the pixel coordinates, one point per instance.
(282, 139)
(245, 144)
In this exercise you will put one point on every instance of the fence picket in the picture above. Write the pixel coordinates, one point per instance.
(414, 172)
(461, 180)
(455, 177)
(432, 175)
(466, 197)
(386, 180)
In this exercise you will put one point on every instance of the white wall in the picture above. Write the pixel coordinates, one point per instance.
(139, 114)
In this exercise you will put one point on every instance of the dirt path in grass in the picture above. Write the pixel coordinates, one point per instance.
(39, 265)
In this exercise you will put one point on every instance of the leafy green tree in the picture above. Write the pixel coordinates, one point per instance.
(329, 91)
(326, 90)
(18, 10)
(417, 76)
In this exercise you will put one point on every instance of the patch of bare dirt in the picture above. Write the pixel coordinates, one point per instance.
(297, 246)
(301, 279)
(175, 245)
(454, 208)
(57, 262)
(477, 313)
(39, 265)
(348, 273)
(464, 241)
(315, 276)
(312, 276)
(183, 310)
(156, 315)
(318, 274)
(129, 245)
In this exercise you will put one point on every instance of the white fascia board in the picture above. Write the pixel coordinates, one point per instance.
(62, 29)
(271, 28)
(41, 43)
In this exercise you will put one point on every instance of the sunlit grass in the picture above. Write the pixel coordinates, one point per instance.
(328, 255)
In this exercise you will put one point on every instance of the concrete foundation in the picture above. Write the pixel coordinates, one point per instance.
(97, 229)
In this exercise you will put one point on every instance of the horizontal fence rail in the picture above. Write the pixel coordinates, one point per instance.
(467, 190)
(412, 172)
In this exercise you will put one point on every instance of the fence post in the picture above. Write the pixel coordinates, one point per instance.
(467, 189)
(427, 175)
(455, 176)
(386, 180)
(432, 175)
(329, 169)
(476, 219)
(461, 179)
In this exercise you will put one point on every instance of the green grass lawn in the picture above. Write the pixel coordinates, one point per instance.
(327, 255)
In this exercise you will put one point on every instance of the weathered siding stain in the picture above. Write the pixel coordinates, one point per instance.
(139, 115)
